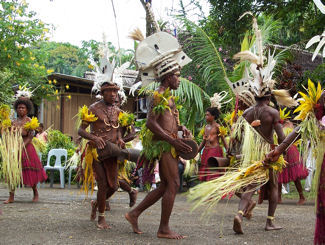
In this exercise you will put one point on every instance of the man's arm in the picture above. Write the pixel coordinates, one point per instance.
(130, 136)
(100, 143)
(290, 139)
(154, 127)
(277, 126)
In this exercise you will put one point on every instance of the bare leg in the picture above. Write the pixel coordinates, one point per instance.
(249, 211)
(150, 199)
(101, 194)
(107, 206)
(300, 191)
(11, 198)
(169, 173)
(280, 193)
(35, 192)
(273, 201)
(132, 192)
(93, 210)
(242, 207)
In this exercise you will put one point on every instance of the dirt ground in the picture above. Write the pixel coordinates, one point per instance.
(62, 217)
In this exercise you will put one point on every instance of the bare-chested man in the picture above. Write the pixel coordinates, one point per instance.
(105, 128)
(265, 120)
(210, 142)
(164, 127)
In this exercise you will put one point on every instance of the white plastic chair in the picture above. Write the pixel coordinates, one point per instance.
(57, 153)
(71, 168)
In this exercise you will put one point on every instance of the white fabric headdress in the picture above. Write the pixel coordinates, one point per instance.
(158, 54)
(242, 89)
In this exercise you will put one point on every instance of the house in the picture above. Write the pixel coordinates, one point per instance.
(75, 92)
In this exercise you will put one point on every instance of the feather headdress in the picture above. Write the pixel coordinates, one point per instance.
(157, 55)
(217, 99)
(262, 70)
(23, 93)
(108, 73)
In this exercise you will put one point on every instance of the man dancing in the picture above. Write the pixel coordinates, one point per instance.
(160, 57)
(104, 128)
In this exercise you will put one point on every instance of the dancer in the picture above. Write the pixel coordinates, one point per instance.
(259, 122)
(32, 168)
(294, 170)
(103, 119)
(159, 56)
(312, 132)
(211, 137)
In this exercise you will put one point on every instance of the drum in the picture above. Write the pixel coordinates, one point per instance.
(193, 153)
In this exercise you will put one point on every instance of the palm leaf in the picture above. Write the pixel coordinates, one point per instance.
(205, 54)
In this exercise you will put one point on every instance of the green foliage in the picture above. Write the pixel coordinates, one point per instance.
(20, 31)
(63, 58)
(317, 75)
(6, 92)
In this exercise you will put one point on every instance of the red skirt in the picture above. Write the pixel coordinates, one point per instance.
(33, 171)
(294, 169)
(204, 173)
(320, 211)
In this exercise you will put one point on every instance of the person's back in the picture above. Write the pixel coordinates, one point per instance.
(264, 119)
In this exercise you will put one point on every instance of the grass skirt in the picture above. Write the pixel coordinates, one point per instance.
(33, 171)
(294, 169)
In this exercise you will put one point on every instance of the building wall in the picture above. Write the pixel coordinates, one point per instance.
(65, 110)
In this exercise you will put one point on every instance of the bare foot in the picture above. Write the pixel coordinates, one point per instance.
(35, 198)
(169, 235)
(134, 223)
(237, 225)
(248, 214)
(271, 227)
(133, 197)
(301, 201)
(11, 198)
(101, 224)
(107, 206)
(8, 201)
(93, 210)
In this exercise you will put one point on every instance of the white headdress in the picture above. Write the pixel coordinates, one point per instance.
(216, 100)
(23, 93)
(158, 55)
(318, 38)
(261, 82)
(108, 74)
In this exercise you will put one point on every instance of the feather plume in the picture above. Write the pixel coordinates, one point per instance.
(136, 35)
(283, 97)
(247, 55)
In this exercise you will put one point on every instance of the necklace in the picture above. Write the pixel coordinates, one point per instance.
(109, 114)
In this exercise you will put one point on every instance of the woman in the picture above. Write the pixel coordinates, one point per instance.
(294, 170)
(32, 168)
(210, 143)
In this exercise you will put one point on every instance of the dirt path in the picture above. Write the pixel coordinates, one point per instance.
(62, 217)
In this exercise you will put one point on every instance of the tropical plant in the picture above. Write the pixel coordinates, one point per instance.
(20, 31)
